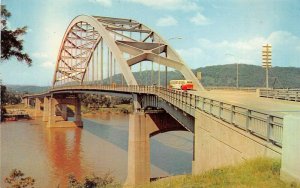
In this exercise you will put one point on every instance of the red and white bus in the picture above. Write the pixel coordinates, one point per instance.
(181, 84)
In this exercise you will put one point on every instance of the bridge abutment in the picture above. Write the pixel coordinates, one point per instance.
(218, 144)
(290, 163)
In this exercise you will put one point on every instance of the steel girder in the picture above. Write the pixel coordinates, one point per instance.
(84, 34)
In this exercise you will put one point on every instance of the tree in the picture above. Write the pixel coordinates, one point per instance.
(16, 179)
(11, 41)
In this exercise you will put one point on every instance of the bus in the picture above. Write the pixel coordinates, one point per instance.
(181, 84)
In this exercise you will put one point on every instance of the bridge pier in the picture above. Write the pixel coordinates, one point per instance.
(62, 121)
(64, 112)
(37, 107)
(78, 120)
(46, 109)
(52, 112)
(141, 127)
(26, 102)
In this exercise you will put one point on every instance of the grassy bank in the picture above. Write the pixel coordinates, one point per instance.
(260, 172)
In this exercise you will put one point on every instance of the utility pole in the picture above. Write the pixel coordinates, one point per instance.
(266, 60)
(0, 98)
(237, 69)
(237, 74)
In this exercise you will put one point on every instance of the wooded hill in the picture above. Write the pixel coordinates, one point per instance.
(218, 75)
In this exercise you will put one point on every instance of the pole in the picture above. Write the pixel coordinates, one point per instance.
(158, 63)
(166, 77)
(267, 77)
(237, 75)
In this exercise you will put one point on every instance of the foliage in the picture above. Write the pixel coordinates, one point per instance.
(9, 97)
(91, 181)
(95, 101)
(250, 76)
(27, 89)
(16, 179)
(260, 172)
(11, 41)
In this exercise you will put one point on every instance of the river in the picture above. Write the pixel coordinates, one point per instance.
(49, 155)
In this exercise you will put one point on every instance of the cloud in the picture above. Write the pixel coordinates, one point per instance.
(185, 5)
(199, 19)
(105, 3)
(285, 51)
(166, 21)
(40, 55)
(47, 64)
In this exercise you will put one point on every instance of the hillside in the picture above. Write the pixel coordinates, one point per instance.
(27, 88)
(250, 76)
(218, 75)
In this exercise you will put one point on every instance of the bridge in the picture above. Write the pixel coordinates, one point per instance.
(100, 55)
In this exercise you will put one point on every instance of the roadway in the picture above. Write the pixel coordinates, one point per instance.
(250, 100)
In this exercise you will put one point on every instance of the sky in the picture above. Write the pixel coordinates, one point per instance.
(212, 32)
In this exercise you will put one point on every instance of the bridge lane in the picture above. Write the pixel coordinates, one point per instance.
(251, 100)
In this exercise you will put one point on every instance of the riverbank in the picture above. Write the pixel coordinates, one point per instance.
(86, 112)
(261, 172)
(15, 112)
(116, 109)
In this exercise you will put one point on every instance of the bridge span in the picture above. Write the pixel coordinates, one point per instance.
(99, 55)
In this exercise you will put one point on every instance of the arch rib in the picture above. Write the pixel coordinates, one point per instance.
(149, 47)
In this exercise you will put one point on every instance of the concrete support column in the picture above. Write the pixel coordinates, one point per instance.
(25, 101)
(141, 127)
(138, 151)
(64, 112)
(52, 108)
(38, 111)
(78, 120)
(290, 163)
(46, 109)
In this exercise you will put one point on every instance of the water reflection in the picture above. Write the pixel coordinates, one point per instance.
(49, 155)
(64, 152)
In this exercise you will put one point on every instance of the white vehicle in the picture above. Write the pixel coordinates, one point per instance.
(181, 84)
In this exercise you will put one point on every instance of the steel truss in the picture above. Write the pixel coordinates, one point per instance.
(93, 43)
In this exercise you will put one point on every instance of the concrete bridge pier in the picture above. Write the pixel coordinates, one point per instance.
(46, 109)
(37, 107)
(59, 103)
(26, 102)
(64, 112)
(52, 112)
(141, 127)
(78, 120)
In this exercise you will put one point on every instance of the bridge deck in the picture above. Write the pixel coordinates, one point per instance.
(251, 100)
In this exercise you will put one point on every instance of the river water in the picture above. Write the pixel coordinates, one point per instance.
(49, 155)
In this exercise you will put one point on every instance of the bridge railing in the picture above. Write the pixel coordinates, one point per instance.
(245, 89)
(284, 94)
(262, 124)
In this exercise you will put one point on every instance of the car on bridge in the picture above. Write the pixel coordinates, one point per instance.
(181, 84)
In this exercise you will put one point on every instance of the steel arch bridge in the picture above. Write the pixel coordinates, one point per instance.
(102, 50)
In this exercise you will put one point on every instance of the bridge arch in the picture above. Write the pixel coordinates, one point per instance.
(128, 42)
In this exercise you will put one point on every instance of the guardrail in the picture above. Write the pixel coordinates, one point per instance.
(267, 126)
(283, 94)
(246, 89)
